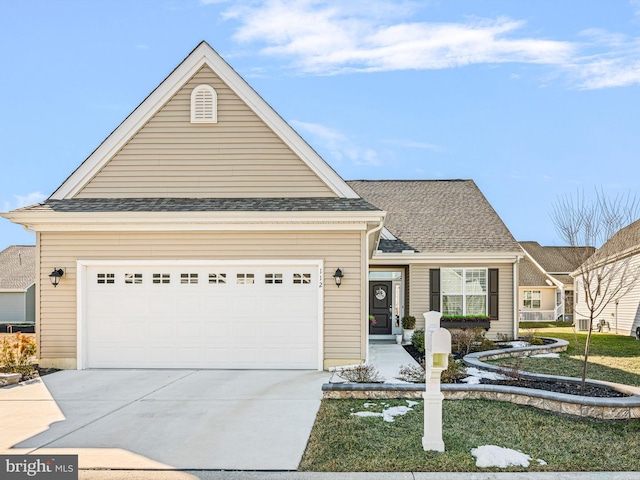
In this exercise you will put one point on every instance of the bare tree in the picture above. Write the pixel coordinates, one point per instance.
(610, 224)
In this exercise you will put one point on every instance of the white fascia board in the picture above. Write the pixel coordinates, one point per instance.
(202, 55)
(556, 282)
(13, 290)
(387, 235)
(215, 221)
(445, 258)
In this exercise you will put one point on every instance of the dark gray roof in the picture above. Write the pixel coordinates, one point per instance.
(17, 267)
(624, 239)
(79, 205)
(557, 259)
(438, 215)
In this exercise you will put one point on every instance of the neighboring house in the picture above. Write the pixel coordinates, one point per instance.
(545, 287)
(618, 263)
(17, 285)
(205, 233)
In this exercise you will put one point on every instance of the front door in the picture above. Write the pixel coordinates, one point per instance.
(380, 307)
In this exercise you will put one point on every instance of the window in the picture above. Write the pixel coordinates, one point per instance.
(244, 278)
(161, 278)
(188, 278)
(218, 278)
(133, 278)
(273, 278)
(301, 278)
(531, 298)
(106, 278)
(204, 108)
(464, 291)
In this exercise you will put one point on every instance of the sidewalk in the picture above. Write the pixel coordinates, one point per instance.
(388, 358)
(208, 475)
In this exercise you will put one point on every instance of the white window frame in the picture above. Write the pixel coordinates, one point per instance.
(464, 292)
(204, 113)
(531, 299)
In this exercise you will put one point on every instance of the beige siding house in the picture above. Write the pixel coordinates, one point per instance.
(617, 262)
(204, 232)
(545, 286)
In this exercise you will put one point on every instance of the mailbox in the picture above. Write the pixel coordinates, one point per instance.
(437, 343)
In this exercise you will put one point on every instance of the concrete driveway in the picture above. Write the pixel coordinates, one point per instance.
(165, 419)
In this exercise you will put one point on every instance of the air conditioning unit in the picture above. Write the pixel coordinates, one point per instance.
(583, 324)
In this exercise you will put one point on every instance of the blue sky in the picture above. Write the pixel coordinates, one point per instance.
(532, 99)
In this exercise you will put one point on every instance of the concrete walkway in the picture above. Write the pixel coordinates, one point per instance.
(164, 419)
(388, 358)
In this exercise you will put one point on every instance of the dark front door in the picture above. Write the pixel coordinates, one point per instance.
(380, 307)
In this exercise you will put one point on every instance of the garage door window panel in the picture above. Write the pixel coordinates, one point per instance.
(301, 278)
(218, 278)
(273, 278)
(133, 278)
(245, 279)
(106, 278)
(161, 278)
(188, 278)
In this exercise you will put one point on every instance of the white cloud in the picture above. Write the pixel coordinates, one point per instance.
(416, 145)
(339, 146)
(23, 201)
(327, 37)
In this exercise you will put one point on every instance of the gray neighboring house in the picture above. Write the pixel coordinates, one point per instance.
(545, 286)
(17, 284)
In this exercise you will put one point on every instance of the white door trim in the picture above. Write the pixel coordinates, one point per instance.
(81, 283)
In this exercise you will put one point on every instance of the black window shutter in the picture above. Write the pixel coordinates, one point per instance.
(493, 293)
(434, 287)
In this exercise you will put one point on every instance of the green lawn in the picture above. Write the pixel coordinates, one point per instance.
(613, 358)
(342, 442)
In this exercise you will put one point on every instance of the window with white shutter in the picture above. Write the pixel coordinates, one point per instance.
(204, 104)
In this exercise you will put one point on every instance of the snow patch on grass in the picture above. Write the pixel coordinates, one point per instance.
(475, 375)
(494, 456)
(389, 413)
(547, 355)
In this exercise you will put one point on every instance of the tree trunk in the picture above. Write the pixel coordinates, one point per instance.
(586, 354)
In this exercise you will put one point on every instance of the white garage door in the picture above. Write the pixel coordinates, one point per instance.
(201, 316)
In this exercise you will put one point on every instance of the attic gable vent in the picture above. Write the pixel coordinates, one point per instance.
(204, 104)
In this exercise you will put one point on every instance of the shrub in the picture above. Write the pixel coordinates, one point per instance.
(417, 373)
(512, 370)
(463, 340)
(455, 371)
(486, 344)
(408, 322)
(536, 341)
(412, 373)
(465, 318)
(361, 374)
(18, 354)
(417, 340)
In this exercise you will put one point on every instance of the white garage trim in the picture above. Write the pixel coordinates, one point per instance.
(82, 279)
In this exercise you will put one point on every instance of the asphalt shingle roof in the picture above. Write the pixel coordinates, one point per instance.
(17, 267)
(79, 205)
(530, 275)
(557, 259)
(437, 215)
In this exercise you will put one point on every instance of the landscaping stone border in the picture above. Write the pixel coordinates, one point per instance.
(620, 408)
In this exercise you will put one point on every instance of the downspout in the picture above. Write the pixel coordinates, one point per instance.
(516, 320)
(366, 295)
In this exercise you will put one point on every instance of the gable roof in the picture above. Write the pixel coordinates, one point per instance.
(17, 267)
(625, 241)
(437, 216)
(529, 275)
(202, 55)
(554, 262)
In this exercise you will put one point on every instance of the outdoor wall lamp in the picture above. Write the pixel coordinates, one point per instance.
(55, 276)
(338, 277)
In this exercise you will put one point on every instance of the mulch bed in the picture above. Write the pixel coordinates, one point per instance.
(548, 385)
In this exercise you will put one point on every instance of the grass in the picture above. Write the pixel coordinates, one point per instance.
(612, 358)
(342, 442)
(526, 325)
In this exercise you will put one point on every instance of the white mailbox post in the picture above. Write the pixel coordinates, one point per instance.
(437, 343)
